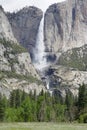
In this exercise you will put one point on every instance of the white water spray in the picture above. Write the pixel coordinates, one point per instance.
(47, 85)
(40, 61)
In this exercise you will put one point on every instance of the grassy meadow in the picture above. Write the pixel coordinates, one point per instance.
(42, 126)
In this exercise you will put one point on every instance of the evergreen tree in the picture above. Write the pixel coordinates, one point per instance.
(2, 108)
(34, 95)
(23, 97)
(26, 112)
(82, 98)
(12, 99)
(40, 107)
(17, 98)
(69, 102)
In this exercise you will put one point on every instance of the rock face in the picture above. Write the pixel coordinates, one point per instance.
(66, 25)
(5, 28)
(64, 79)
(65, 36)
(25, 24)
(75, 58)
(16, 69)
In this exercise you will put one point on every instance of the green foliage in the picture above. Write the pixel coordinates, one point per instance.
(29, 107)
(82, 99)
(1, 75)
(14, 47)
(12, 99)
(22, 107)
(2, 107)
(83, 118)
(69, 100)
(26, 112)
(11, 115)
(82, 104)
(11, 51)
(18, 98)
(75, 58)
(12, 74)
(15, 98)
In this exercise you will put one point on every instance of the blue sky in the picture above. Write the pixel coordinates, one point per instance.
(12, 5)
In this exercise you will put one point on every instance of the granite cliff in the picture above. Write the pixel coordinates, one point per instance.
(66, 25)
(65, 35)
(16, 69)
(25, 24)
(65, 38)
(5, 28)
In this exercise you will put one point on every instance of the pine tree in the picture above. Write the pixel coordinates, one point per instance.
(23, 97)
(17, 98)
(2, 108)
(26, 112)
(82, 98)
(69, 102)
(12, 99)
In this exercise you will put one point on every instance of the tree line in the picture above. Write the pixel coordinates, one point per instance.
(23, 107)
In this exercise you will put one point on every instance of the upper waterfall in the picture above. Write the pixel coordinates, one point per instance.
(40, 61)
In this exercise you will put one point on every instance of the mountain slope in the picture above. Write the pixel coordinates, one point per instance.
(65, 37)
(16, 69)
(75, 58)
(65, 34)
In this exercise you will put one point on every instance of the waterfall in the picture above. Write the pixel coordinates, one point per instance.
(40, 56)
(47, 84)
(40, 61)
